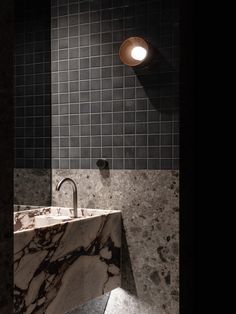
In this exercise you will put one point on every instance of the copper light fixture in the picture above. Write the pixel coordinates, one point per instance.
(134, 51)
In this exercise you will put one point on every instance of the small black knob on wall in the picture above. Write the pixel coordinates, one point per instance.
(102, 164)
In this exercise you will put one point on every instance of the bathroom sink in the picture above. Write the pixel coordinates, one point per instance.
(45, 216)
(47, 220)
(61, 262)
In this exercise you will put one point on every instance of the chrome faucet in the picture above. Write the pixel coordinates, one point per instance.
(59, 184)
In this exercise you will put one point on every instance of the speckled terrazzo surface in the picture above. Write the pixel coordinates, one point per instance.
(149, 201)
(32, 186)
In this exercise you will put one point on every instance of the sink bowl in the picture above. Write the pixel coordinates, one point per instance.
(45, 216)
(47, 220)
(61, 262)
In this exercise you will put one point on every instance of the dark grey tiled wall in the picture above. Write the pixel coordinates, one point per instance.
(33, 84)
(102, 108)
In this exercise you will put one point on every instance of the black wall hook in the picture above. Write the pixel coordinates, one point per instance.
(102, 164)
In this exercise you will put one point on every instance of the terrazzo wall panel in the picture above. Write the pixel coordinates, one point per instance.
(6, 153)
(149, 201)
(32, 187)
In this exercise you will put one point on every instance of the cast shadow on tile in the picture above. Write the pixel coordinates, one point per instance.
(159, 80)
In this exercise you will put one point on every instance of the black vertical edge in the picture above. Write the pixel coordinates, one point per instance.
(6, 153)
(187, 158)
(104, 311)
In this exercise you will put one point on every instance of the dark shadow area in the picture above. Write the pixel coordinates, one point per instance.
(127, 277)
(33, 84)
(188, 199)
(159, 75)
(159, 78)
(33, 100)
(105, 173)
(6, 154)
(104, 168)
(160, 82)
(106, 177)
(95, 306)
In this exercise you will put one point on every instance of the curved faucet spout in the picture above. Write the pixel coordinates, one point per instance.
(59, 184)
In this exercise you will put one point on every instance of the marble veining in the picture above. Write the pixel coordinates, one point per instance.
(25, 219)
(59, 267)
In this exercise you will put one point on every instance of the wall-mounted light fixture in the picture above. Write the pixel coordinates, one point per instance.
(134, 51)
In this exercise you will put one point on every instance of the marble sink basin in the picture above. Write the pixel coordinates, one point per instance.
(31, 217)
(61, 262)
(48, 220)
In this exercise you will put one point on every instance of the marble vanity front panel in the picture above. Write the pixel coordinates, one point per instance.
(62, 266)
